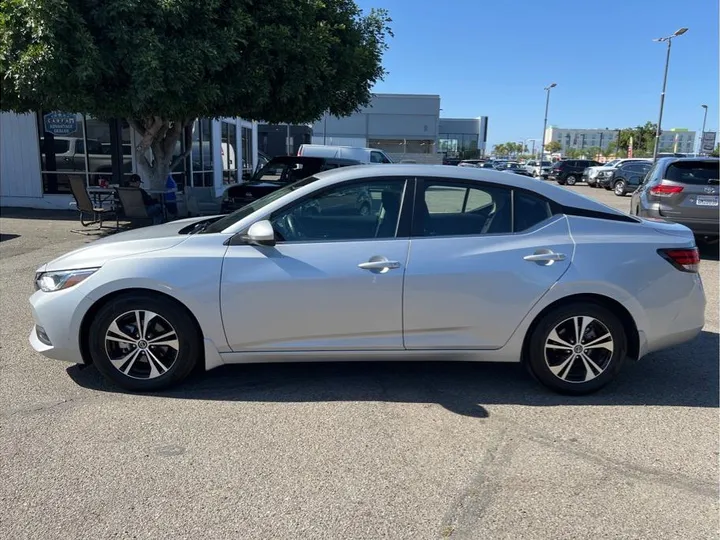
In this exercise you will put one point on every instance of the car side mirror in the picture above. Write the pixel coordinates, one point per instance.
(260, 233)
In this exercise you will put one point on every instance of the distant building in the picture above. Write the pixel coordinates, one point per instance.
(273, 138)
(672, 140)
(405, 126)
(402, 125)
(463, 138)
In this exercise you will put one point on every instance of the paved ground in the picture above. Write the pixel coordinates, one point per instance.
(410, 451)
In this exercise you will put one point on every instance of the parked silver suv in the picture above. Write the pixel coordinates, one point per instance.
(683, 190)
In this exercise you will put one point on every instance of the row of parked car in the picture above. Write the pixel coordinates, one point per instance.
(679, 189)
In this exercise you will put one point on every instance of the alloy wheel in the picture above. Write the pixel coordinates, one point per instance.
(579, 349)
(141, 344)
(620, 188)
(571, 180)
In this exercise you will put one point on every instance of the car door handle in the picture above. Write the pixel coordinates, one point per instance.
(379, 264)
(545, 256)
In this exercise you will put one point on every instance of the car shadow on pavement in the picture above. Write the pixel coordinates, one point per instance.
(686, 376)
(4, 237)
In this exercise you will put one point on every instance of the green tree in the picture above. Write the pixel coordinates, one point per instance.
(160, 64)
(553, 147)
(716, 152)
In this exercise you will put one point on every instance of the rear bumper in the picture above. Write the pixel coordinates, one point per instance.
(687, 324)
(700, 227)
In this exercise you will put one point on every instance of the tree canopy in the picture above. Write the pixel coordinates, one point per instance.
(162, 63)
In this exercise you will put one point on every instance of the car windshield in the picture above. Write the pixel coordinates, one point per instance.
(693, 172)
(285, 172)
(241, 213)
(612, 163)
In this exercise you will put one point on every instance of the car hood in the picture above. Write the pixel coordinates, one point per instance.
(134, 242)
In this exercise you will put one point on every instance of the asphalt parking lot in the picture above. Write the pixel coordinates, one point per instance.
(387, 450)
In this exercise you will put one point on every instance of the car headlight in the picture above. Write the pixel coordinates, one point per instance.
(64, 279)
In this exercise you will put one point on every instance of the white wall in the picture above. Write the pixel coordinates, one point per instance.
(340, 141)
(19, 159)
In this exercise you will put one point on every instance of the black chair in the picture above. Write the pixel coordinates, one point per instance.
(86, 207)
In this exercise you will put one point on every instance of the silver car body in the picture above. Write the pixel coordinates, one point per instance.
(461, 298)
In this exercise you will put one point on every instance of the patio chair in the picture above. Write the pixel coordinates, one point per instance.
(201, 201)
(132, 204)
(85, 206)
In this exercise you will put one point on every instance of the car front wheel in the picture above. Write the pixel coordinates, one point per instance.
(144, 342)
(577, 348)
(620, 188)
(571, 180)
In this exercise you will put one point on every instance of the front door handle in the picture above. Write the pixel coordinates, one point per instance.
(545, 257)
(379, 265)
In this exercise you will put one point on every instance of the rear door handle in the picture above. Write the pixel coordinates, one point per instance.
(379, 265)
(545, 257)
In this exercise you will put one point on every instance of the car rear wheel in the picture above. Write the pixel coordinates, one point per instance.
(144, 342)
(577, 348)
(571, 180)
(620, 188)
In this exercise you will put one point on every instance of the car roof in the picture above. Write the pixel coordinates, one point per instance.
(546, 189)
(314, 159)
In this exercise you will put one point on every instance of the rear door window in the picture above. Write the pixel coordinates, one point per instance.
(693, 172)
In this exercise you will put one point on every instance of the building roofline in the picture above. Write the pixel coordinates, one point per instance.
(407, 95)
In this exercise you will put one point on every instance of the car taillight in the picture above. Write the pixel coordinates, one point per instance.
(684, 259)
(665, 191)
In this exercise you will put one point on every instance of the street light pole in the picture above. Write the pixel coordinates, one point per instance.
(702, 133)
(547, 105)
(669, 39)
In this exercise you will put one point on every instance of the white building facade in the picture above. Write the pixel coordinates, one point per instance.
(672, 140)
(40, 151)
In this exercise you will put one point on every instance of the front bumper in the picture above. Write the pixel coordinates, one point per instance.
(59, 315)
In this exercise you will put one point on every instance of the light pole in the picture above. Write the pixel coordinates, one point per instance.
(662, 95)
(547, 105)
(702, 133)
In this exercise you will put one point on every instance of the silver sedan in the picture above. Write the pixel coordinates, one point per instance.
(450, 264)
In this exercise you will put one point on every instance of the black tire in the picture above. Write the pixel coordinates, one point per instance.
(619, 188)
(179, 364)
(562, 317)
(571, 180)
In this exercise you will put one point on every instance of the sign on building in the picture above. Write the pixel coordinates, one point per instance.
(59, 123)
(708, 142)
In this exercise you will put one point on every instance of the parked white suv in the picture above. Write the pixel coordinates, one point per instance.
(591, 174)
(538, 168)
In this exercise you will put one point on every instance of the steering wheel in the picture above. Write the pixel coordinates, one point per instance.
(290, 225)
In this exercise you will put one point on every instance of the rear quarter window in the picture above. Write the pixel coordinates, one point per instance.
(693, 172)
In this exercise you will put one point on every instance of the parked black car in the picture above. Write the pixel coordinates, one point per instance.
(625, 178)
(570, 171)
(278, 172)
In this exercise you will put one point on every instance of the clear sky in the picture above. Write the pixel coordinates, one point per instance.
(493, 58)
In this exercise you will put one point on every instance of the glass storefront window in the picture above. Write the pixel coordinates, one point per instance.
(202, 154)
(228, 150)
(76, 146)
(247, 162)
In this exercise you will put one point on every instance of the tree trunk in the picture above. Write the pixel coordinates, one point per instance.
(157, 151)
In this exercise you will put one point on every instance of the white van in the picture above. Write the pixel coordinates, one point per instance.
(363, 155)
